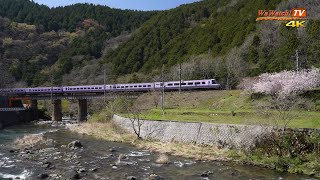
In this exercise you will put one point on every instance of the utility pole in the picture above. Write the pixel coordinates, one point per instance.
(180, 78)
(163, 88)
(51, 89)
(104, 85)
(297, 60)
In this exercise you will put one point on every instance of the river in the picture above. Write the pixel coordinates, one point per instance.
(99, 159)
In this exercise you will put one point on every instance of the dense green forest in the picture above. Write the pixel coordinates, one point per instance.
(67, 18)
(88, 27)
(173, 36)
(211, 38)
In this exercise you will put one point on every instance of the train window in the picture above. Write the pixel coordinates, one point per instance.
(183, 84)
(149, 85)
(144, 86)
(197, 83)
(100, 87)
(127, 86)
(170, 84)
(122, 86)
(81, 88)
(176, 84)
(135, 86)
(214, 82)
(190, 83)
(140, 86)
(203, 82)
(130, 86)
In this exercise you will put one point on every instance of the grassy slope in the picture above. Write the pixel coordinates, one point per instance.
(217, 107)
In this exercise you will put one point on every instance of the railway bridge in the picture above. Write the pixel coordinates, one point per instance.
(56, 99)
(107, 91)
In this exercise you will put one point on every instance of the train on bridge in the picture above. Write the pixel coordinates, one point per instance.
(138, 87)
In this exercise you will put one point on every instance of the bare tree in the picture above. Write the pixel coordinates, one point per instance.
(133, 111)
(155, 97)
(134, 115)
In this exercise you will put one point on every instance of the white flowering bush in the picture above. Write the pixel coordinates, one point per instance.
(287, 83)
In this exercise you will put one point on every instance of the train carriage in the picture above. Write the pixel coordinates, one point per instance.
(84, 89)
(139, 87)
(44, 90)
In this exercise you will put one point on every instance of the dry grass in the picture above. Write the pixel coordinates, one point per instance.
(111, 132)
(107, 131)
(198, 152)
(29, 141)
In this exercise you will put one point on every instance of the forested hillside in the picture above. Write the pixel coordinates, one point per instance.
(220, 39)
(210, 26)
(67, 18)
(38, 43)
(210, 38)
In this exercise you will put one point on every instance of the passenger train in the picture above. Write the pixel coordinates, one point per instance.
(139, 87)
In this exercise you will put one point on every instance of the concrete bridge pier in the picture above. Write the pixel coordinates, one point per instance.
(82, 110)
(34, 109)
(57, 110)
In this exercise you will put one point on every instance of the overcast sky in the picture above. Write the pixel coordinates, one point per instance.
(122, 4)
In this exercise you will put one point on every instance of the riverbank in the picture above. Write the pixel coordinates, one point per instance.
(46, 150)
(111, 132)
(108, 131)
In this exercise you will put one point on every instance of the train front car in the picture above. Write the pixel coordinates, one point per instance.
(189, 84)
(44, 90)
(213, 84)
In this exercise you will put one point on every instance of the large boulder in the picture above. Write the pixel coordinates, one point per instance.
(75, 144)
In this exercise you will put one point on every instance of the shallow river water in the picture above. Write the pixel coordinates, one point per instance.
(99, 160)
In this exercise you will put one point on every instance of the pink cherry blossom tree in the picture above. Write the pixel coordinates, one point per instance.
(284, 88)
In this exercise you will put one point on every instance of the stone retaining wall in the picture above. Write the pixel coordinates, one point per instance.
(14, 117)
(222, 135)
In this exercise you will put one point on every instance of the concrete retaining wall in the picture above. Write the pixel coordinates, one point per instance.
(222, 135)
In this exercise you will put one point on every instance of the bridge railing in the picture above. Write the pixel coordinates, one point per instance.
(13, 109)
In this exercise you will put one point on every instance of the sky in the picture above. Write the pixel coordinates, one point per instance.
(122, 4)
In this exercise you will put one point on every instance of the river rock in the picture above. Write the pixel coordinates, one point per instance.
(46, 164)
(131, 178)
(82, 170)
(43, 176)
(206, 174)
(72, 174)
(75, 144)
(54, 176)
(154, 177)
(112, 150)
(235, 172)
(93, 169)
(13, 150)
